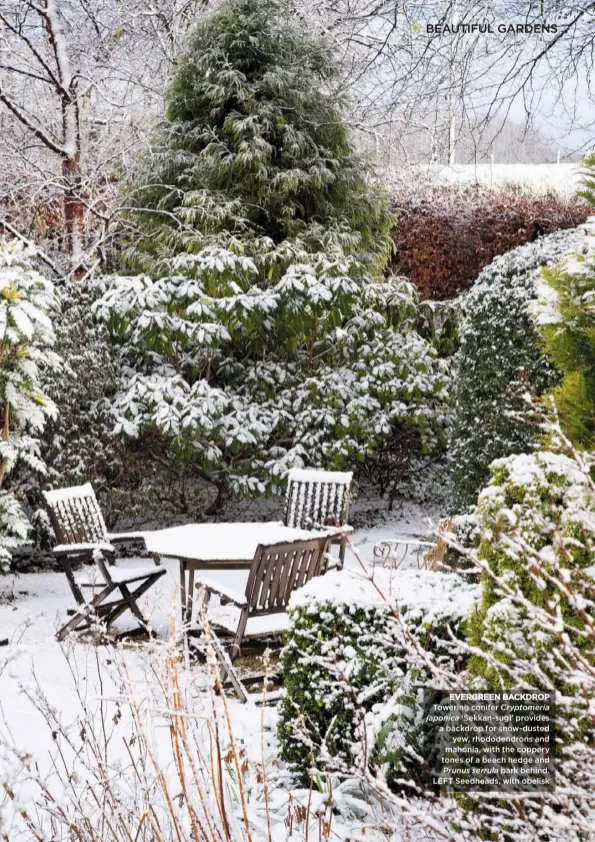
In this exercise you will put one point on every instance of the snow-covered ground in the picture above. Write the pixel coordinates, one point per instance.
(37, 673)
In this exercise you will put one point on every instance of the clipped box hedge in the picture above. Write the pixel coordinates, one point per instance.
(347, 657)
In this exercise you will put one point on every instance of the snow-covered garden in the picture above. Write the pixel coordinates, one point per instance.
(232, 397)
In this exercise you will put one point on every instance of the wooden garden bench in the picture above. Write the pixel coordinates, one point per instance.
(83, 538)
(277, 570)
(316, 499)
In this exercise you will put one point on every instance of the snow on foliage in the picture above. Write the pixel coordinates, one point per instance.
(79, 445)
(500, 352)
(569, 338)
(262, 334)
(27, 303)
(535, 628)
(345, 377)
(348, 674)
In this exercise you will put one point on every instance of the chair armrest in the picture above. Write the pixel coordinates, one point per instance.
(222, 590)
(79, 549)
(337, 531)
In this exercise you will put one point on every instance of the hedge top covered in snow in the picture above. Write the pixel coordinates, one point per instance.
(419, 593)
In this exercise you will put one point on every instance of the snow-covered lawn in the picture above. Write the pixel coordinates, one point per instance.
(36, 671)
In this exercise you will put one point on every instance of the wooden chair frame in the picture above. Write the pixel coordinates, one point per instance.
(316, 499)
(276, 572)
(77, 520)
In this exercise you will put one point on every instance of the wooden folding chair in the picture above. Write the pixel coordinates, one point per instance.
(277, 570)
(80, 529)
(316, 499)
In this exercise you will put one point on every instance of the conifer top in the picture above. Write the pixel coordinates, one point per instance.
(255, 147)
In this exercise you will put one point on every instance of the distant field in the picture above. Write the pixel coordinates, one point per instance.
(533, 178)
(562, 179)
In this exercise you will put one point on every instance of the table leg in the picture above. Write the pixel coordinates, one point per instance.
(190, 599)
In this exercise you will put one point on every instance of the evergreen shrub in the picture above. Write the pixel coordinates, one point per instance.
(569, 330)
(27, 305)
(262, 333)
(350, 687)
(501, 355)
(547, 502)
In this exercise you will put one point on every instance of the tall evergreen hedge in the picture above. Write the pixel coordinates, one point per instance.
(501, 355)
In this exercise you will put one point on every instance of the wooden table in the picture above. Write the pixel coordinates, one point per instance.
(220, 546)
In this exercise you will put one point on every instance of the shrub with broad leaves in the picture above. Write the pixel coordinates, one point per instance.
(27, 304)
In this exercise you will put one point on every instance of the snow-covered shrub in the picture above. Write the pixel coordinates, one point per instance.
(545, 499)
(27, 304)
(568, 317)
(263, 333)
(366, 385)
(351, 687)
(79, 445)
(500, 354)
(535, 627)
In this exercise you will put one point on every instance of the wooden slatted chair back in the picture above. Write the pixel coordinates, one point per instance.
(317, 498)
(75, 515)
(279, 569)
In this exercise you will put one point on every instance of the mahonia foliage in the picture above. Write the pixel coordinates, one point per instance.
(27, 304)
(263, 333)
(570, 344)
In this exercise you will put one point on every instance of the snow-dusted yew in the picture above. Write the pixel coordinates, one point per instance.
(545, 500)
(501, 351)
(27, 303)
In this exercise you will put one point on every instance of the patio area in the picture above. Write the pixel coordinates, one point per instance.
(32, 663)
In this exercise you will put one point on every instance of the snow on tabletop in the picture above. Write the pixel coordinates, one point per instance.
(223, 541)
(116, 536)
(434, 594)
(312, 475)
(59, 494)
